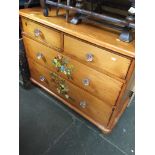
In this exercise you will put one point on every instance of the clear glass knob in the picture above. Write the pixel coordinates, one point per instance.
(42, 78)
(89, 57)
(39, 56)
(37, 32)
(86, 82)
(83, 104)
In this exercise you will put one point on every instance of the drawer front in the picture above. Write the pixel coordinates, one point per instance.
(83, 101)
(49, 36)
(96, 57)
(98, 84)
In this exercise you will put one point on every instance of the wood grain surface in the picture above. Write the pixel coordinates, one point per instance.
(101, 85)
(104, 60)
(95, 108)
(102, 37)
(49, 36)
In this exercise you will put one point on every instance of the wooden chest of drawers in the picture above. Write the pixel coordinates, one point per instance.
(85, 67)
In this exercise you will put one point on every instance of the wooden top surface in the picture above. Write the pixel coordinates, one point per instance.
(99, 36)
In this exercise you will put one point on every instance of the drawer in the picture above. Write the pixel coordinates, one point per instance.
(47, 35)
(98, 58)
(80, 99)
(96, 83)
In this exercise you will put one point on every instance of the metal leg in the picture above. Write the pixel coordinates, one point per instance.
(126, 35)
(76, 19)
(67, 11)
(45, 12)
(44, 7)
(57, 11)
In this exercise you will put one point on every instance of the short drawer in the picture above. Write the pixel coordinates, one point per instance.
(83, 101)
(98, 58)
(47, 35)
(96, 83)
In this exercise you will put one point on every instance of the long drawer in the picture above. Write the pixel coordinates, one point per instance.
(98, 84)
(83, 101)
(98, 58)
(47, 35)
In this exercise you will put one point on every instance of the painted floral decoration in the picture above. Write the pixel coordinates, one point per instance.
(62, 87)
(62, 65)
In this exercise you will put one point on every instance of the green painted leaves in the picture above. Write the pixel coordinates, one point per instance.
(62, 88)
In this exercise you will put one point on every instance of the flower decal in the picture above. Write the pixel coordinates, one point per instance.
(63, 66)
(62, 87)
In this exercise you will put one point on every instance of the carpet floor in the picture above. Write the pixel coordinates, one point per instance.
(48, 127)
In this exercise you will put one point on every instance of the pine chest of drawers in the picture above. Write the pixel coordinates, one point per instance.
(85, 67)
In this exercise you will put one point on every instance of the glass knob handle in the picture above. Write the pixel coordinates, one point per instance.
(39, 56)
(89, 57)
(42, 78)
(37, 32)
(86, 82)
(83, 104)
